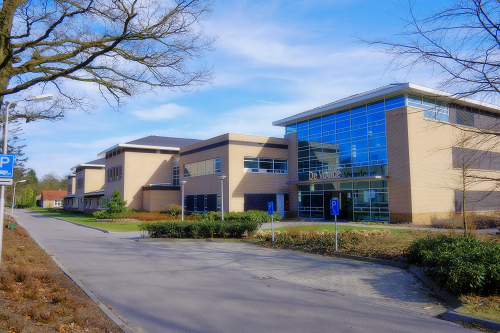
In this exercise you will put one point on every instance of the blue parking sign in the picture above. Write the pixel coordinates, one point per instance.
(334, 207)
(270, 208)
(6, 166)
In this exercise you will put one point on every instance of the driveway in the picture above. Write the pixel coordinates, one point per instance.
(186, 286)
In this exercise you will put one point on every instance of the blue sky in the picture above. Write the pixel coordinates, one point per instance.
(273, 59)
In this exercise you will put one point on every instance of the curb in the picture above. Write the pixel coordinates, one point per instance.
(94, 298)
(391, 263)
(84, 288)
(81, 225)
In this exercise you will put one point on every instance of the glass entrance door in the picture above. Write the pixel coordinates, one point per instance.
(345, 203)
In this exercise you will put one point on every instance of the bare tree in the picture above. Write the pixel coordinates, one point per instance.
(122, 46)
(462, 41)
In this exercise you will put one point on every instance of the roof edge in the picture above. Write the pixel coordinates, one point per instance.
(395, 88)
(128, 145)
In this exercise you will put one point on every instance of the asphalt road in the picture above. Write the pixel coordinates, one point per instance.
(233, 287)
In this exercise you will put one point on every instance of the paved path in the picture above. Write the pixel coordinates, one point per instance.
(235, 287)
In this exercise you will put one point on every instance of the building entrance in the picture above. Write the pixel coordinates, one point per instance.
(345, 203)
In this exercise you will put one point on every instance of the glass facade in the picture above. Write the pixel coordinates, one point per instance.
(349, 147)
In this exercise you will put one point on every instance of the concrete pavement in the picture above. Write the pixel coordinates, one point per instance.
(236, 287)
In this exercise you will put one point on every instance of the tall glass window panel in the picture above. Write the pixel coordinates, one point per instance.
(377, 142)
(358, 111)
(378, 105)
(292, 128)
(378, 157)
(360, 132)
(394, 102)
(342, 115)
(415, 101)
(374, 129)
(376, 116)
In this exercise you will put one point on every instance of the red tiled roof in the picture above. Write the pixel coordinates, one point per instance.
(53, 195)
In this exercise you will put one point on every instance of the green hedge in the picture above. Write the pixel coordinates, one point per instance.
(200, 229)
(317, 243)
(461, 264)
(258, 216)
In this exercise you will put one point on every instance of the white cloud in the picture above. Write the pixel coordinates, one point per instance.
(165, 111)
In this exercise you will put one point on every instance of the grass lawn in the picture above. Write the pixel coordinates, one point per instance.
(331, 227)
(89, 220)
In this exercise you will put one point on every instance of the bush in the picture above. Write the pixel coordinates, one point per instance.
(115, 208)
(461, 264)
(200, 229)
(316, 242)
(259, 216)
(173, 210)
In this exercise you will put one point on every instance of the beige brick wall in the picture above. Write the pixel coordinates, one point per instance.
(158, 200)
(425, 174)
(109, 187)
(140, 169)
(71, 184)
(398, 162)
(94, 180)
(232, 156)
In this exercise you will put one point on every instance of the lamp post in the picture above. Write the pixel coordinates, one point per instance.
(14, 197)
(37, 98)
(183, 182)
(222, 177)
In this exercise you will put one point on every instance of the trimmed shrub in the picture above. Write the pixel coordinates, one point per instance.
(315, 242)
(116, 207)
(461, 264)
(200, 229)
(173, 210)
(259, 216)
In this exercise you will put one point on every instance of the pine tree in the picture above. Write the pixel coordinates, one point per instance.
(116, 207)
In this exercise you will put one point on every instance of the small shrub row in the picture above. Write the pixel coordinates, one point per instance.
(323, 242)
(258, 216)
(200, 229)
(461, 264)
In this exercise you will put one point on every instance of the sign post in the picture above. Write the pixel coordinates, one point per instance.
(270, 211)
(334, 210)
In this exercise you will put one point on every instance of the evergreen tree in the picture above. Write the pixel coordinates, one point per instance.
(28, 197)
(116, 207)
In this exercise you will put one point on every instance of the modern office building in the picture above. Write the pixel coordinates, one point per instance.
(397, 153)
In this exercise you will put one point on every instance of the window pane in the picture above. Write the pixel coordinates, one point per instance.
(376, 105)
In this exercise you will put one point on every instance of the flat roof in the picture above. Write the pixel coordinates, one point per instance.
(385, 91)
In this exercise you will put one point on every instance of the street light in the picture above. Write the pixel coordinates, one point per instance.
(38, 98)
(14, 197)
(222, 177)
(183, 182)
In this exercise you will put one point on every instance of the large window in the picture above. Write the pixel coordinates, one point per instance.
(360, 201)
(265, 165)
(201, 168)
(175, 172)
(433, 109)
(345, 144)
(114, 173)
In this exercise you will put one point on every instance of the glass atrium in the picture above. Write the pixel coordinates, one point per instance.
(349, 147)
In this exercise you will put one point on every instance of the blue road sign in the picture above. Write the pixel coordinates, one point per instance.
(6, 166)
(334, 207)
(270, 208)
